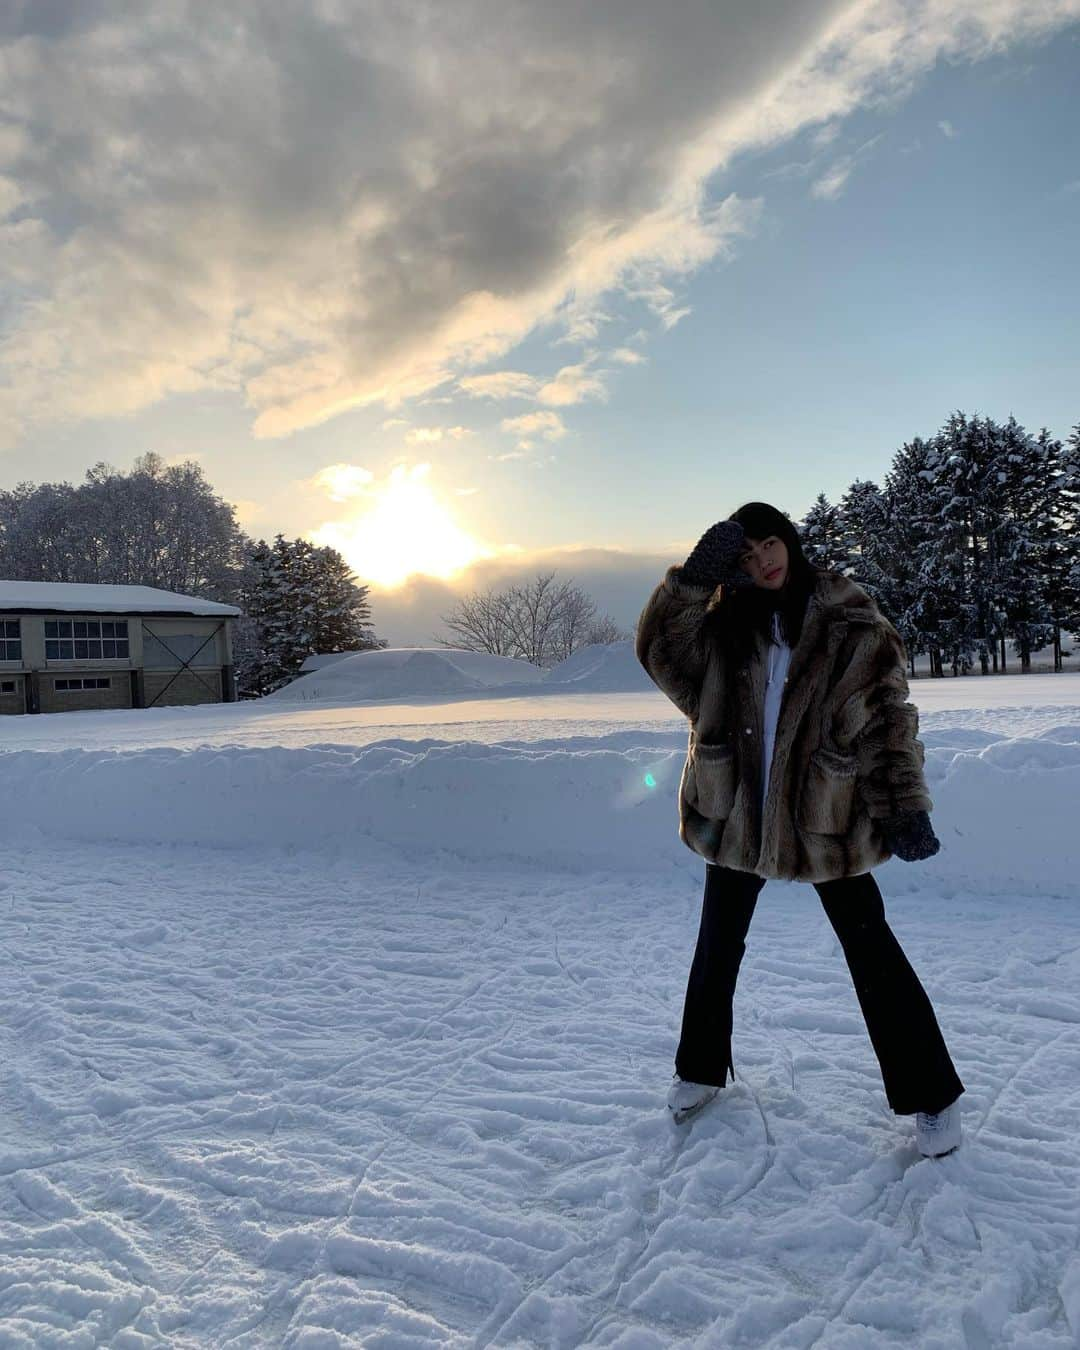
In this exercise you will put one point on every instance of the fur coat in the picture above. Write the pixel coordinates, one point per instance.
(846, 755)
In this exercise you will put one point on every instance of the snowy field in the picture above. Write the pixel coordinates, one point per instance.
(352, 1026)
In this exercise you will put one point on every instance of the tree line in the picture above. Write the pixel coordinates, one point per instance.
(971, 545)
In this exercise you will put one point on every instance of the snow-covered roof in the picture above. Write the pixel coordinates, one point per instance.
(76, 597)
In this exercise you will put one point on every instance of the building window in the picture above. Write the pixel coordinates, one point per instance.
(7, 687)
(85, 639)
(10, 643)
(72, 686)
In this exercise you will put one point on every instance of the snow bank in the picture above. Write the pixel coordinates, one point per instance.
(603, 667)
(1004, 807)
(434, 672)
(405, 672)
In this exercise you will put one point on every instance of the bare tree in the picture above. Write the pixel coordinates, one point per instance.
(605, 631)
(542, 621)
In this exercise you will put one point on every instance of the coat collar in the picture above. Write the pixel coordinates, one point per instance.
(838, 597)
(835, 599)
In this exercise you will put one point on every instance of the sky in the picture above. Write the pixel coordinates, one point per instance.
(481, 290)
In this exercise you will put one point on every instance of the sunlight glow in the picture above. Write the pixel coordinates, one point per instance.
(400, 527)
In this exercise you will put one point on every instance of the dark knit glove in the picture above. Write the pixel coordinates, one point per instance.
(910, 836)
(715, 557)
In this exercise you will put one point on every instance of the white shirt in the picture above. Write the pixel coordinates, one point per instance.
(778, 660)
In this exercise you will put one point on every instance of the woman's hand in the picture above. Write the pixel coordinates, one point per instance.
(714, 560)
(911, 836)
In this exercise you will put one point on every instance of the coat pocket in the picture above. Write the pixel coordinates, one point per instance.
(713, 774)
(828, 794)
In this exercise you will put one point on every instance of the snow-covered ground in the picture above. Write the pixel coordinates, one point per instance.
(353, 1026)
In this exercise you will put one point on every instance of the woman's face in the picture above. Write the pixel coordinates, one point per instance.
(765, 561)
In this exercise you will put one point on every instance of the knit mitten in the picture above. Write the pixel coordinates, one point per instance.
(714, 560)
(910, 836)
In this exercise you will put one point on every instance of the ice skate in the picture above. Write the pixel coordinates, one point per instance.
(686, 1099)
(939, 1133)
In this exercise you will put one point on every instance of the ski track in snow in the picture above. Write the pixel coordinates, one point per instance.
(303, 1103)
(341, 1096)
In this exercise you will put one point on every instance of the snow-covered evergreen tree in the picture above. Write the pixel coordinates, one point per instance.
(863, 517)
(922, 580)
(1028, 475)
(823, 537)
(969, 478)
(1062, 561)
(298, 600)
(973, 541)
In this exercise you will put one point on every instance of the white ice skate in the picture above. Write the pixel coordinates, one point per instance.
(938, 1134)
(687, 1099)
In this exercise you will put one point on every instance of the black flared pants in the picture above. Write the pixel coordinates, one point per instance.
(915, 1064)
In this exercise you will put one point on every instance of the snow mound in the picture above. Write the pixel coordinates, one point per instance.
(602, 667)
(405, 672)
(321, 659)
(1067, 734)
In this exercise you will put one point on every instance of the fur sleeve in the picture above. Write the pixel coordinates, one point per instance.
(669, 643)
(881, 727)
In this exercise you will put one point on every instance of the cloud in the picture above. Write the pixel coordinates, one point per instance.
(424, 435)
(947, 129)
(547, 424)
(832, 183)
(315, 205)
(392, 422)
(500, 384)
(248, 512)
(824, 136)
(342, 482)
(795, 169)
(626, 356)
(572, 384)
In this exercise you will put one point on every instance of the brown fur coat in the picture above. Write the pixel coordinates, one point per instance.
(846, 755)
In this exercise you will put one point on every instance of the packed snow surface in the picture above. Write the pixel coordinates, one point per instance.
(360, 1036)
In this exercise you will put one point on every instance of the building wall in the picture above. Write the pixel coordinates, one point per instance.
(50, 699)
(158, 647)
(14, 702)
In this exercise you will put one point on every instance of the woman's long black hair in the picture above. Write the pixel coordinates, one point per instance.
(746, 611)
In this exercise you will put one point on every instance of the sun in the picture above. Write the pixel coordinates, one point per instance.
(402, 528)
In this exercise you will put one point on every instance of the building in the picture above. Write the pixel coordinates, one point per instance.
(67, 647)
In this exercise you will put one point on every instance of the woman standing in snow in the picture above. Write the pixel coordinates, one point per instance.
(803, 765)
